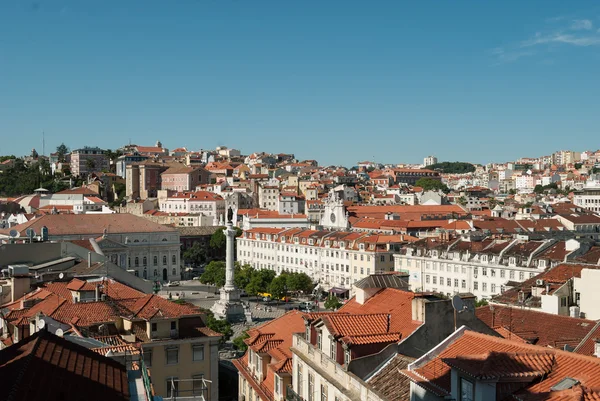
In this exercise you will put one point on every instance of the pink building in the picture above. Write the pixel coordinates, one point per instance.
(183, 178)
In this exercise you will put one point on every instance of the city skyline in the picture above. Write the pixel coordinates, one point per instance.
(338, 83)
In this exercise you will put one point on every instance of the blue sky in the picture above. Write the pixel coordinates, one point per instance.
(337, 81)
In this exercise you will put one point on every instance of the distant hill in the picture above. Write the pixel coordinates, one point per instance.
(452, 167)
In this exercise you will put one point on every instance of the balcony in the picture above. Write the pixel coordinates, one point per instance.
(291, 395)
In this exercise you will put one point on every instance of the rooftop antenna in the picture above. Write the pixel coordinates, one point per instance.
(459, 306)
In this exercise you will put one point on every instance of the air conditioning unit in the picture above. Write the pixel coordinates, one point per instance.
(539, 282)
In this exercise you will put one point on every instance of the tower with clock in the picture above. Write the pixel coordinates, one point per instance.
(334, 215)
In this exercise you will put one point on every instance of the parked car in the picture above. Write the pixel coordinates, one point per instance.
(266, 299)
(171, 284)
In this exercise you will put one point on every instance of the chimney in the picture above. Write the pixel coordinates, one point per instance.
(89, 259)
(97, 293)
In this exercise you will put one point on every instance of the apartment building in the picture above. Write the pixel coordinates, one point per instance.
(183, 178)
(143, 179)
(87, 160)
(198, 202)
(589, 197)
(481, 266)
(333, 258)
(291, 203)
(265, 370)
(268, 197)
(144, 248)
(356, 352)
(174, 342)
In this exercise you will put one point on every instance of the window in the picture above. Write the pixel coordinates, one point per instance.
(319, 340)
(172, 355)
(484, 287)
(475, 269)
(145, 261)
(484, 271)
(164, 260)
(441, 281)
(521, 276)
(154, 327)
(434, 279)
(427, 279)
(511, 274)
(475, 285)
(323, 393)
(456, 282)
(466, 390)
(197, 352)
(347, 357)
(174, 259)
(277, 385)
(172, 387)
(198, 384)
(299, 376)
(493, 272)
(502, 273)
(493, 288)
(311, 386)
(148, 357)
(463, 284)
(382, 258)
(174, 325)
(332, 348)
(449, 282)
(563, 302)
(155, 260)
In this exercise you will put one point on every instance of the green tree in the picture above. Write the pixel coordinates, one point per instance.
(332, 303)
(5, 158)
(218, 240)
(220, 326)
(430, 184)
(214, 274)
(260, 281)
(538, 189)
(480, 302)
(278, 287)
(512, 192)
(243, 275)
(461, 200)
(62, 150)
(299, 282)
(452, 167)
(492, 202)
(195, 255)
(239, 343)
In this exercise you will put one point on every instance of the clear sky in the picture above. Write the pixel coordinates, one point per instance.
(337, 81)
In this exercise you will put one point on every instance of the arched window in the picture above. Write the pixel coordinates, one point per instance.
(164, 260)
(155, 260)
(164, 239)
(145, 261)
(174, 258)
(137, 261)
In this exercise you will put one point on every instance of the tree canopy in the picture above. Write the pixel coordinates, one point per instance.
(218, 240)
(62, 151)
(23, 179)
(452, 167)
(430, 184)
(278, 287)
(214, 273)
(195, 255)
(332, 303)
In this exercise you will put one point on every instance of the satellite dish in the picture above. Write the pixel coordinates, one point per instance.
(14, 233)
(59, 332)
(41, 324)
(61, 275)
(457, 303)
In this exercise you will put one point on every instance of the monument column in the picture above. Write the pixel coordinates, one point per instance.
(229, 256)
(229, 306)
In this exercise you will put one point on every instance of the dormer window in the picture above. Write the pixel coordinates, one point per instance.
(362, 247)
(484, 258)
(342, 244)
(327, 243)
(512, 260)
(434, 253)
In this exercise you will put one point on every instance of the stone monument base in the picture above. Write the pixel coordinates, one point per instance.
(229, 307)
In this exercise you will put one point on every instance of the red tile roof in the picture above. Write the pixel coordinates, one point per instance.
(537, 369)
(535, 327)
(46, 367)
(90, 224)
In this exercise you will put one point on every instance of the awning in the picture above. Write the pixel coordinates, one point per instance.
(338, 290)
